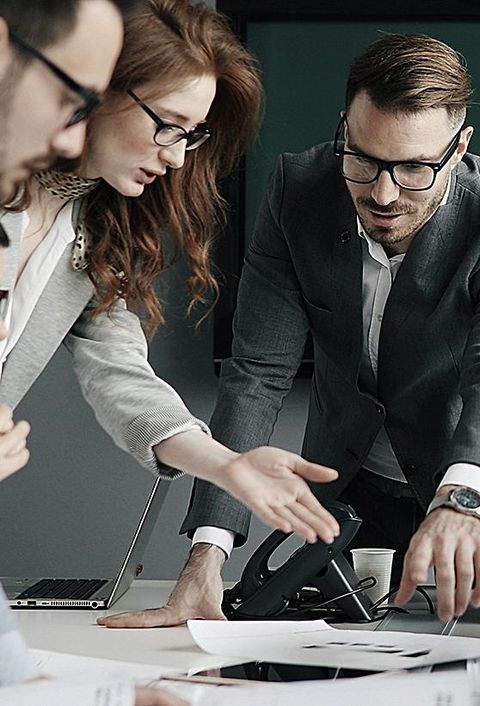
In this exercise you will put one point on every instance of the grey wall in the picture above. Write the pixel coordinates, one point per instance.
(72, 510)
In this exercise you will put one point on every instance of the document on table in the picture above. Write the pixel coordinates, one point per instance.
(65, 666)
(316, 643)
(395, 690)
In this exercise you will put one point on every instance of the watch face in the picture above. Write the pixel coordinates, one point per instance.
(467, 498)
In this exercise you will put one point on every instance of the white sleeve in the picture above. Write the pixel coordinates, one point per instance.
(16, 661)
(222, 538)
(462, 474)
(68, 694)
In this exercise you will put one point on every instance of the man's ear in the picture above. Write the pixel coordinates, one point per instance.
(465, 138)
(5, 48)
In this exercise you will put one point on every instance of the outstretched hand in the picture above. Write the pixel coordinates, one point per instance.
(267, 480)
(271, 482)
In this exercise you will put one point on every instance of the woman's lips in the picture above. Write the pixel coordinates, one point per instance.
(147, 177)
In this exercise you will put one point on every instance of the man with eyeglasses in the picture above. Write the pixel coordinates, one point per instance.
(56, 59)
(372, 244)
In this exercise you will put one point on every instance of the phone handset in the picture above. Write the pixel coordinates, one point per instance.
(264, 593)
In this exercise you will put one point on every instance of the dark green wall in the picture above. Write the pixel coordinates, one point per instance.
(305, 66)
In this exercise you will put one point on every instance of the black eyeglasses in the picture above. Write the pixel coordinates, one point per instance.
(413, 176)
(168, 134)
(90, 98)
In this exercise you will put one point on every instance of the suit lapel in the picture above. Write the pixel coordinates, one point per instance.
(347, 284)
(62, 301)
(419, 283)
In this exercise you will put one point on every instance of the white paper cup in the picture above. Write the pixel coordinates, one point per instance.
(377, 563)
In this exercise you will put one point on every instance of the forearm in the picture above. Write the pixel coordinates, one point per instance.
(197, 454)
(204, 557)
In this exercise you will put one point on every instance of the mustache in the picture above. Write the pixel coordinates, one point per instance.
(396, 208)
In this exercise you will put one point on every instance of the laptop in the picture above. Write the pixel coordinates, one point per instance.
(92, 593)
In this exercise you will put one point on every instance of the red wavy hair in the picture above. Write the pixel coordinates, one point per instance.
(166, 43)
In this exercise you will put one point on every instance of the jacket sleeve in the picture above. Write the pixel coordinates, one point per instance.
(134, 406)
(270, 331)
(464, 446)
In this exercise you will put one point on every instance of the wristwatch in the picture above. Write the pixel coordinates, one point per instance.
(462, 499)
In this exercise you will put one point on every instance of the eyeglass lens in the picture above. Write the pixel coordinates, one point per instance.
(171, 134)
(364, 170)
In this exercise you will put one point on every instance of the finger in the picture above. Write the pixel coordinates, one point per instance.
(298, 526)
(301, 518)
(13, 463)
(271, 517)
(475, 600)
(309, 500)
(150, 618)
(18, 448)
(415, 567)
(464, 575)
(311, 471)
(444, 562)
(6, 421)
(146, 696)
(12, 438)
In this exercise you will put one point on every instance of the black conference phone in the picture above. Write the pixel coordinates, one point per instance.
(315, 575)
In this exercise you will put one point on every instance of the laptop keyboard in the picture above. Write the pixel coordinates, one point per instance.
(63, 588)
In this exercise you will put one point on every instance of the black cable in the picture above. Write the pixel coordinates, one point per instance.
(393, 590)
(423, 592)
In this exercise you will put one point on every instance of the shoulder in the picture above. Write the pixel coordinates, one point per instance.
(314, 171)
(468, 174)
(312, 163)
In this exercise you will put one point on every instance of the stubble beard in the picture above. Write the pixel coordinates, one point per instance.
(385, 235)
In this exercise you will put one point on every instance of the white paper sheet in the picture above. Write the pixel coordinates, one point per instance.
(405, 690)
(318, 644)
(66, 666)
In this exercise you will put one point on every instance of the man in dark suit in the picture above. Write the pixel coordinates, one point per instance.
(373, 245)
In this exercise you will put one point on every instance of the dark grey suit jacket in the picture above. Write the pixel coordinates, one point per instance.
(304, 272)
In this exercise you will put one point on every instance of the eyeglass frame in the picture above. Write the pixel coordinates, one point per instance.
(91, 98)
(383, 165)
(162, 123)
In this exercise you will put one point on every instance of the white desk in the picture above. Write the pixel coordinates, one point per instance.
(76, 632)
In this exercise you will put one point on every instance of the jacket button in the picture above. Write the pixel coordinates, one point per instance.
(345, 236)
(379, 409)
(410, 468)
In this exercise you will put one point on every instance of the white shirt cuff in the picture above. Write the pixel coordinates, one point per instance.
(462, 474)
(222, 538)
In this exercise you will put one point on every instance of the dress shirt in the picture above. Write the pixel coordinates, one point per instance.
(37, 271)
(379, 273)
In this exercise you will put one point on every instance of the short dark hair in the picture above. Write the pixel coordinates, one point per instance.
(410, 73)
(44, 22)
